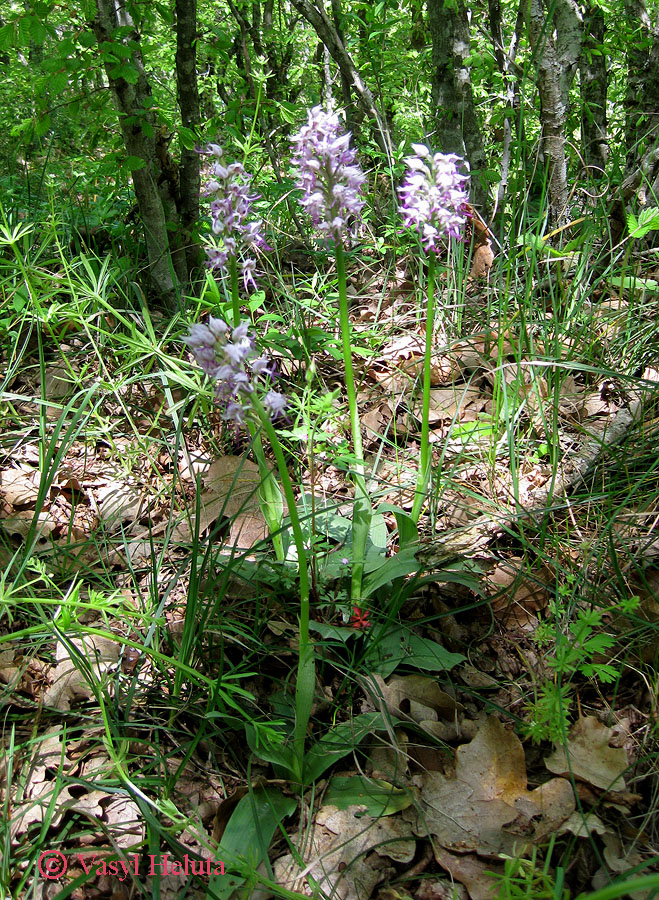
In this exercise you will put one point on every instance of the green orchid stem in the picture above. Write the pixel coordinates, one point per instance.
(235, 297)
(306, 669)
(269, 496)
(361, 516)
(424, 455)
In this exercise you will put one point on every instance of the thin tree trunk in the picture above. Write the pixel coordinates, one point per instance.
(317, 18)
(345, 81)
(594, 83)
(505, 59)
(642, 96)
(274, 60)
(4, 56)
(456, 122)
(188, 98)
(555, 36)
(132, 97)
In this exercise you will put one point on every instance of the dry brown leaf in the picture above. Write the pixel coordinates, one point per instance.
(337, 853)
(192, 464)
(481, 261)
(376, 420)
(9, 673)
(119, 501)
(571, 399)
(231, 489)
(517, 594)
(460, 403)
(475, 874)
(403, 359)
(620, 860)
(581, 825)
(596, 405)
(19, 525)
(57, 385)
(404, 347)
(617, 858)
(440, 890)
(590, 757)
(124, 817)
(418, 697)
(485, 806)
(19, 486)
(44, 795)
(479, 351)
(57, 382)
(68, 683)
(610, 316)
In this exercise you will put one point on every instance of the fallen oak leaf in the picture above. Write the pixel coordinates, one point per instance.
(588, 757)
(485, 806)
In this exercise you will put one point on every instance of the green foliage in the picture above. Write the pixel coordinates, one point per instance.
(72, 289)
(532, 879)
(648, 220)
(571, 648)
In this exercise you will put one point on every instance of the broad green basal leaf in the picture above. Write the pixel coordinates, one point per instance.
(402, 646)
(379, 798)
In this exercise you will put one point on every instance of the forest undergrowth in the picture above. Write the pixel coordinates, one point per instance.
(399, 640)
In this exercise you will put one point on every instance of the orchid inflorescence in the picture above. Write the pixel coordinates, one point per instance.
(228, 356)
(233, 235)
(327, 173)
(434, 201)
(433, 196)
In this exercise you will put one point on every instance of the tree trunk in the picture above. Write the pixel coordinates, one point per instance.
(132, 97)
(555, 38)
(642, 95)
(273, 56)
(594, 82)
(505, 59)
(456, 124)
(188, 98)
(317, 18)
(337, 15)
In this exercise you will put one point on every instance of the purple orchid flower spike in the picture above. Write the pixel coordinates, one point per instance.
(234, 234)
(229, 357)
(433, 196)
(327, 173)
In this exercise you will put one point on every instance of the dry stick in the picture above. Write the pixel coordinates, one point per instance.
(576, 466)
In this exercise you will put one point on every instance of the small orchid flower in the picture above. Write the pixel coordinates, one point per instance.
(228, 357)
(233, 236)
(327, 173)
(433, 197)
(433, 200)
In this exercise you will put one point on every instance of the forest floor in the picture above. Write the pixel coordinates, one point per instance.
(485, 722)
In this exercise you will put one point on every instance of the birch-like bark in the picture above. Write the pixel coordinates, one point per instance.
(138, 127)
(457, 129)
(642, 95)
(188, 98)
(555, 34)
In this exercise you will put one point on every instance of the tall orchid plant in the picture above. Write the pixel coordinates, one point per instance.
(331, 182)
(234, 235)
(243, 389)
(234, 239)
(433, 200)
